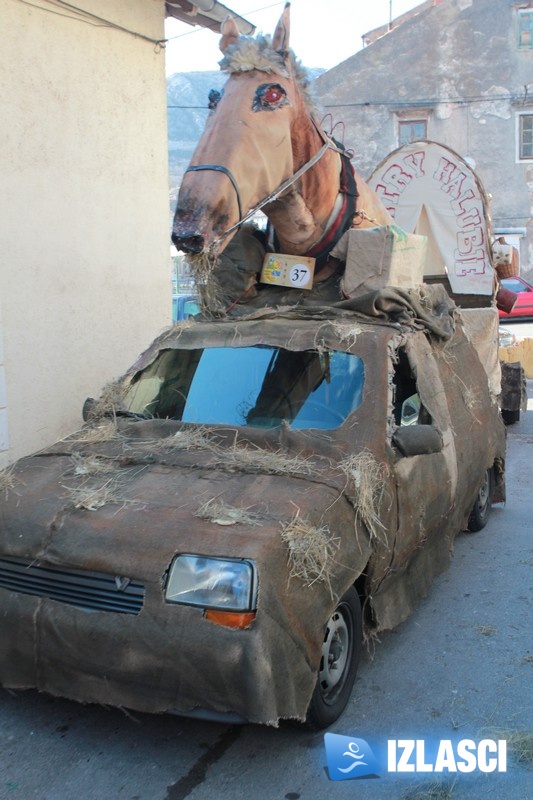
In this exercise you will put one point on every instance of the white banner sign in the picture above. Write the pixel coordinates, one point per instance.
(428, 189)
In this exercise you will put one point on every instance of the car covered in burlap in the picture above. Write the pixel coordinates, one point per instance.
(252, 500)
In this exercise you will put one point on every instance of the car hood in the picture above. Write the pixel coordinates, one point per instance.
(148, 490)
(125, 506)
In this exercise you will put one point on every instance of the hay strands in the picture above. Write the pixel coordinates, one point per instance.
(91, 494)
(8, 480)
(368, 481)
(94, 434)
(311, 551)
(90, 497)
(220, 513)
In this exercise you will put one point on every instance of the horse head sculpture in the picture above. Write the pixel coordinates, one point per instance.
(262, 148)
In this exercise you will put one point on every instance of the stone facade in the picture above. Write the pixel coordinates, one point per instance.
(458, 72)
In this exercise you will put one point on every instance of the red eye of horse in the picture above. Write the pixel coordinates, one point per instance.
(272, 96)
(269, 96)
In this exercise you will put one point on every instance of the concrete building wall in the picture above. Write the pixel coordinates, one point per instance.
(84, 243)
(458, 66)
(4, 432)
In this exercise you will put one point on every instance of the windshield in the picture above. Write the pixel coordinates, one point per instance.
(258, 386)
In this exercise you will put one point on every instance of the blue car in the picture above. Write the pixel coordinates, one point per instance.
(184, 306)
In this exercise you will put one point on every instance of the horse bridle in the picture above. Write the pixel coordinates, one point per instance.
(225, 171)
(329, 144)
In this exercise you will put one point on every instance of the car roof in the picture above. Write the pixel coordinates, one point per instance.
(354, 325)
(353, 335)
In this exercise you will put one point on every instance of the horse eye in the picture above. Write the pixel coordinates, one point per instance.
(270, 95)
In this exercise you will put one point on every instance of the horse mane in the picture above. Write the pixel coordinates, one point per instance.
(250, 53)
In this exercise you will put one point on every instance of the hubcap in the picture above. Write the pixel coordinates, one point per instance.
(483, 496)
(335, 654)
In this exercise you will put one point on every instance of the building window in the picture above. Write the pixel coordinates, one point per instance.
(525, 28)
(525, 137)
(412, 130)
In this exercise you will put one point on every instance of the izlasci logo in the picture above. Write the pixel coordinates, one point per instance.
(349, 758)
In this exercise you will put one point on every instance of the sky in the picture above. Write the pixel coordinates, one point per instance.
(323, 32)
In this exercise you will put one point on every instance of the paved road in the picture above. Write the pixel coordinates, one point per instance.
(460, 667)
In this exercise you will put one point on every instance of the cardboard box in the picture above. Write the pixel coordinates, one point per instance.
(382, 256)
(506, 259)
(282, 270)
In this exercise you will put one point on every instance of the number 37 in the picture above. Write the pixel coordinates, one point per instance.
(299, 275)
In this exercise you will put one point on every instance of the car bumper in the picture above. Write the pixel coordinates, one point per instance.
(165, 659)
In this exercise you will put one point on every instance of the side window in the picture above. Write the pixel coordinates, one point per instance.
(415, 434)
(410, 412)
(408, 408)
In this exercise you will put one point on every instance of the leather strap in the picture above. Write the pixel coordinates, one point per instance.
(225, 171)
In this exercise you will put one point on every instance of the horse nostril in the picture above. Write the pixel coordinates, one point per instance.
(188, 242)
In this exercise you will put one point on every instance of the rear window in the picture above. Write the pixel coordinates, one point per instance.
(514, 285)
(258, 386)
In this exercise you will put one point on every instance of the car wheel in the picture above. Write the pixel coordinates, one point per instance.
(510, 417)
(480, 513)
(341, 654)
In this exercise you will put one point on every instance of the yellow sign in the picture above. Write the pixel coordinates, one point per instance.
(283, 270)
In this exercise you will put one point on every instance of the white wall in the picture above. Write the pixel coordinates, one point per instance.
(4, 432)
(84, 243)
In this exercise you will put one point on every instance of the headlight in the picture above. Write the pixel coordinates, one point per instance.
(226, 583)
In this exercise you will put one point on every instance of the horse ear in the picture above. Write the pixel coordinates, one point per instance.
(230, 34)
(280, 39)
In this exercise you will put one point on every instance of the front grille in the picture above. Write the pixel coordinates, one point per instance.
(96, 591)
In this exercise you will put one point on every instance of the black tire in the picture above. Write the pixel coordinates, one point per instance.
(510, 417)
(481, 511)
(341, 651)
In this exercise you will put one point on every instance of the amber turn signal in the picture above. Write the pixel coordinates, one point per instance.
(231, 619)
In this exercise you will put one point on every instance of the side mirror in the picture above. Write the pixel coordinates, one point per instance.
(88, 409)
(417, 440)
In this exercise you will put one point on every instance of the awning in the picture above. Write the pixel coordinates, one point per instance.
(207, 14)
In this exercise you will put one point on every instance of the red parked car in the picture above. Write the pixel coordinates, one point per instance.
(524, 304)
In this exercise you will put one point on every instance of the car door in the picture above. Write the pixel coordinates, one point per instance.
(426, 472)
(424, 478)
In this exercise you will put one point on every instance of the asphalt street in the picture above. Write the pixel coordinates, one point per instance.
(460, 668)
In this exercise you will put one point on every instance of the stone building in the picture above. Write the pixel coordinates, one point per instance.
(458, 72)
